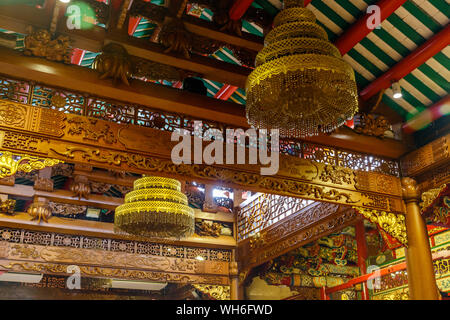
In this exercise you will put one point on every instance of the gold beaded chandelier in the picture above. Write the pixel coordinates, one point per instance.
(155, 208)
(301, 85)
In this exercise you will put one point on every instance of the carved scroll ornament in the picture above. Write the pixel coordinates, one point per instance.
(392, 223)
(11, 163)
(39, 43)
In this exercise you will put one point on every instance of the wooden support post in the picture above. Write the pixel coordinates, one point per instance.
(237, 197)
(323, 294)
(209, 205)
(234, 277)
(362, 255)
(421, 278)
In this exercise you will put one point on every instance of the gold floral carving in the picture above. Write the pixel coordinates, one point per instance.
(12, 114)
(11, 163)
(430, 196)
(92, 129)
(214, 291)
(336, 175)
(399, 294)
(392, 223)
(208, 228)
(39, 43)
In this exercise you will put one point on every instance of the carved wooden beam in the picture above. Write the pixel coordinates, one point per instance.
(102, 230)
(137, 149)
(207, 67)
(55, 260)
(85, 80)
(14, 64)
(309, 224)
(430, 156)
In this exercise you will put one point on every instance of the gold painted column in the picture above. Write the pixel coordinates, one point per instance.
(419, 262)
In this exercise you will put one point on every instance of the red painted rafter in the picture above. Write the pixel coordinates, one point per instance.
(225, 92)
(415, 59)
(77, 56)
(133, 24)
(360, 29)
(239, 8)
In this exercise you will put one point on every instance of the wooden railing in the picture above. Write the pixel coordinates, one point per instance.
(262, 210)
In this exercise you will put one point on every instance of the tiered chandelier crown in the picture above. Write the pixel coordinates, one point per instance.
(301, 85)
(156, 208)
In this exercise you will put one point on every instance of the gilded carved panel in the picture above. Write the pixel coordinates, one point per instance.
(116, 259)
(257, 250)
(145, 150)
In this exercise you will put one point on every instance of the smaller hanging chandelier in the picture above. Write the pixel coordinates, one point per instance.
(156, 208)
(301, 85)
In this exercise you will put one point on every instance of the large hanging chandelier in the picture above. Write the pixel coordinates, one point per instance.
(301, 85)
(155, 208)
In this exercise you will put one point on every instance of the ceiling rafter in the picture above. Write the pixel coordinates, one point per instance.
(360, 29)
(225, 92)
(405, 66)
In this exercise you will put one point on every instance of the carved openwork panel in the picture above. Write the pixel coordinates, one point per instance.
(265, 210)
(111, 245)
(430, 155)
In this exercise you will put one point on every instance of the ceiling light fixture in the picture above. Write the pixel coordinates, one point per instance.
(156, 208)
(397, 90)
(301, 84)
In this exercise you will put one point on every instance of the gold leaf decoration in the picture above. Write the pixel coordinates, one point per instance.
(11, 163)
(392, 223)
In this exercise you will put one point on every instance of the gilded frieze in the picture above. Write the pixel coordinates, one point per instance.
(102, 143)
(91, 129)
(92, 271)
(91, 257)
